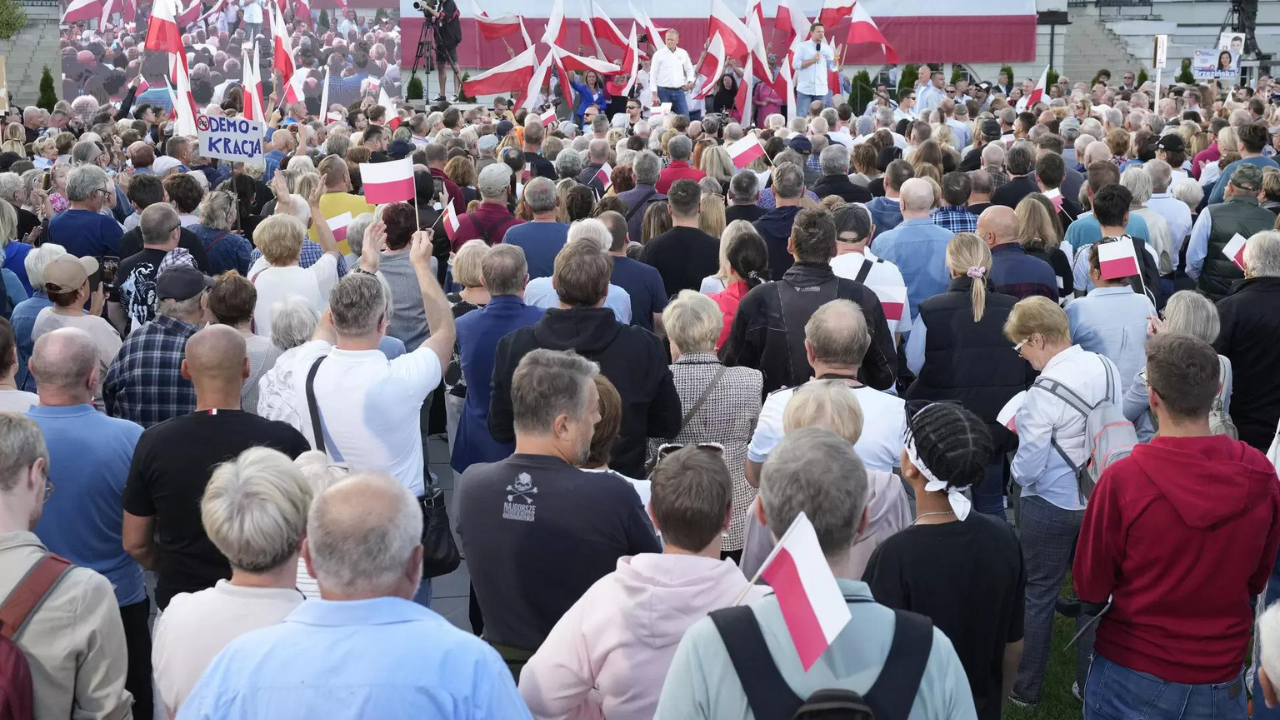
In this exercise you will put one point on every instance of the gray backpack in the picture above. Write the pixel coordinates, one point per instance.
(1109, 436)
(1220, 422)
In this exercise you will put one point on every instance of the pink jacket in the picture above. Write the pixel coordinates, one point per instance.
(608, 656)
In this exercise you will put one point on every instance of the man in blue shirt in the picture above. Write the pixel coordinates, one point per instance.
(82, 228)
(365, 649)
(89, 457)
(917, 246)
(642, 282)
(281, 145)
(25, 313)
(1086, 231)
(1254, 139)
(542, 238)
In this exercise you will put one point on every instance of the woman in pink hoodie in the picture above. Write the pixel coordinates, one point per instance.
(608, 656)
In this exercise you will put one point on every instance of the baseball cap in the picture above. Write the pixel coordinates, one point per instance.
(503, 128)
(991, 130)
(800, 144)
(1170, 143)
(983, 86)
(164, 164)
(1247, 177)
(400, 149)
(487, 143)
(179, 283)
(66, 273)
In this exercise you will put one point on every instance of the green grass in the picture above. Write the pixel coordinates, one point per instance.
(1056, 700)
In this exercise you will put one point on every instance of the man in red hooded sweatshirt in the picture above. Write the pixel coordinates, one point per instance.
(1179, 535)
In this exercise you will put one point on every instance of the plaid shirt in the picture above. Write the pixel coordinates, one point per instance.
(144, 383)
(998, 176)
(814, 162)
(955, 218)
(310, 255)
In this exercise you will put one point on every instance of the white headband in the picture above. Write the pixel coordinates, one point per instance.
(959, 503)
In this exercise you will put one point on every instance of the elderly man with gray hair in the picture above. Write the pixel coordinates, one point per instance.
(1176, 214)
(1250, 318)
(647, 168)
(680, 149)
(597, 157)
(816, 473)
(519, 518)
(569, 163)
(542, 292)
(365, 641)
(917, 245)
(82, 228)
(835, 176)
(541, 238)
(491, 220)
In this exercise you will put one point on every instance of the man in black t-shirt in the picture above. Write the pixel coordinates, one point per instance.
(448, 24)
(521, 519)
(136, 275)
(173, 461)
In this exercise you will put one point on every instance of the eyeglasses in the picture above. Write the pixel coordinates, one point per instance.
(48, 489)
(668, 448)
(1018, 348)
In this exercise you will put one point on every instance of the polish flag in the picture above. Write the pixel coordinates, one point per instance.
(395, 122)
(85, 10)
(549, 117)
(588, 32)
(162, 30)
(189, 15)
(580, 63)
(451, 223)
(712, 66)
(1117, 259)
(492, 28)
(282, 58)
(732, 30)
(293, 90)
(631, 63)
(808, 595)
(252, 85)
(893, 300)
(833, 74)
(745, 151)
(1055, 197)
(562, 74)
(864, 30)
(759, 54)
(1008, 416)
(653, 31)
(757, 8)
(184, 104)
(109, 8)
(531, 87)
(604, 28)
(1026, 102)
(785, 83)
(384, 99)
(511, 75)
(387, 182)
(743, 101)
(791, 21)
(833, 11)
(324, 93)
(1235, 250)
(605, 176)
(302, 11)
(338, 224)
(557, 29)
(524, 32)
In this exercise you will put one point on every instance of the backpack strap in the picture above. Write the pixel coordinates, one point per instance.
(1224, 376)
(316, 428)
(894, 691)
(768, 693)
(30, 593)
(865, 270)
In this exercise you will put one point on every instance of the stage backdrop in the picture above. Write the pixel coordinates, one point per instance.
(957, 31)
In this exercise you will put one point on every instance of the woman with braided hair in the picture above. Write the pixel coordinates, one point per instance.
(958, 352)
(963, 570)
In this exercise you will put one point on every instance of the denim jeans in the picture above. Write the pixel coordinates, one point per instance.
(988, 493)
(251, 30)
(803, 101)
(677, 98)
(423, 596)
(1114, 692)
(1048, 534)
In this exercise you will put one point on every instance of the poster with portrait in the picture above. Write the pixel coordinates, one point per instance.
(1214, 64)
(1233, 43)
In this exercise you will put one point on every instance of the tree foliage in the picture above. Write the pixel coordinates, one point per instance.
(48, 91)
(12, 19)
(413, 91)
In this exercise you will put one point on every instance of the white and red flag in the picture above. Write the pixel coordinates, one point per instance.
(1026, 102)
(754, 7)
(184, 103)
(532, 87)
(604, 28)
(757, 51)
(1055, 197)
(324, 94)
(864, 30)
(808, 595)
(338, 224)
(791, 21)
(1117, 259)
(293, 88)
(252, 85)
(188, 16)
(1235, 250)
(570, 61)
(387, 182)
(745, 151)
(511, 75)
(549, 118)
(893, 300)
(712, 67)
(450, 220)
(605, 176)
(282, 56)
(163, 34)
(1008, 416)
(653, 31)
(737, 40)
(493, 28)
(557, 29)
(631, 62)
(85, 10)
(833, 11)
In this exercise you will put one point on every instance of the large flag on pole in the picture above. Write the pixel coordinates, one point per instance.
(808, 595)
(511, 75)
(532, 87)
(631, 62)
(757, 8)
(83, 10)
(282, 56)
(604, 28)
(833, 11)
(162, 29)
(580, 63)
(252, 85)
(655, 35)
(189, 15)
(557, 29)
(1026, 102)
(493, 28)
(184, 103)
(324, 96)
(724, 23)
(864, 30)
(791, 22)
(759, 53)
(712, 66)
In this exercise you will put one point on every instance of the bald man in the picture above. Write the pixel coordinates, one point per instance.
(1013, 271)
(141, 156)
(917, 246)
(282, 143)
(174, 459)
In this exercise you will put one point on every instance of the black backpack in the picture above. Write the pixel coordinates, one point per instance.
(771, 698)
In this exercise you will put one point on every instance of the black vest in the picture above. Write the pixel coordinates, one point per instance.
(1237, 214)
(967, 362)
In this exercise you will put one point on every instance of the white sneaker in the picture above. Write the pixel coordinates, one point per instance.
(1075, 690)
(453, 99)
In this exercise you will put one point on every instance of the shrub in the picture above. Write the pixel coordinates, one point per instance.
(324, 19)
(907, 80)
(1185, 76)
(414, 89)
(862, 91)
(1142, 77)
(48, 92)
(462, 96)
(1008, 71)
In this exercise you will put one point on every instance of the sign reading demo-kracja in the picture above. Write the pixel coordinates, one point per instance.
(234, 139)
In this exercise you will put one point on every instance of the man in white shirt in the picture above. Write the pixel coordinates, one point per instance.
(671, 72)
(906, 108)
(835, 340)
(252, 18)
(854, 261)
(813, 59)
(932, 94)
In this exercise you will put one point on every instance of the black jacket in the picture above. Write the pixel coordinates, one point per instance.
(750, 213)
(683, 256)
(842, 186)
(775, 227)
(633, 359)
(1012, 192)
(1250, 318)
(131, 244)
(970, 362)
(764, 338)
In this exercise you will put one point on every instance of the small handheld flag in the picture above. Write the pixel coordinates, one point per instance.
(1117, 259)
(1235, 250)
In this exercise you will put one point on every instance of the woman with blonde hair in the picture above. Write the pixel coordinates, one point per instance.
(965, 357)
(462, 171)
(467, 268)
(1229, 151)
(657, 220)
(1041, 236)
(711, 218)
(717, 164)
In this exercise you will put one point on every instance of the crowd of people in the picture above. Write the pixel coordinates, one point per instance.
(981, 349)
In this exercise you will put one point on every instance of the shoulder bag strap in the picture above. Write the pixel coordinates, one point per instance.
(1224, 376)
(316, 428)
(894, 692)
(217, 240)
(865, 270)
(697, 405)
(768, 693)
(30, 593)
(643, 202)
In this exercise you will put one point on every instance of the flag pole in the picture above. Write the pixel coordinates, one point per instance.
(772, 554)
(417, 223)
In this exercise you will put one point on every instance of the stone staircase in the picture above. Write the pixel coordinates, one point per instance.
(1091, 46)
(30, 50)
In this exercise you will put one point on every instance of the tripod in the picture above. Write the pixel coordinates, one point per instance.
(425, 57)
